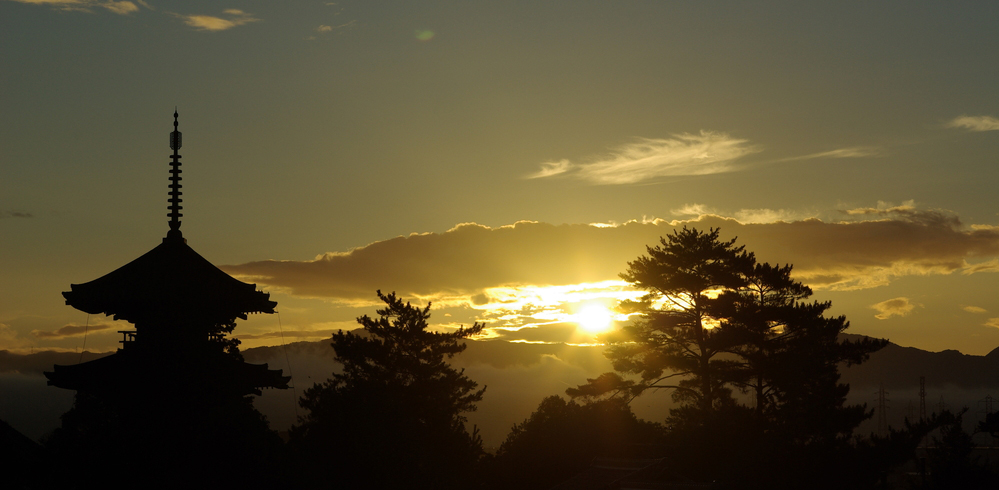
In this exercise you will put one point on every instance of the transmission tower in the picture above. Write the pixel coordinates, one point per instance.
(882, 411)
(989, 403)
(922, 398)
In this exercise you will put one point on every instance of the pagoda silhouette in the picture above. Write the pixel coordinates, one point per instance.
(173, 400)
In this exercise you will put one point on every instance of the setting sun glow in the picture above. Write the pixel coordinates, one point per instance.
(594, 318)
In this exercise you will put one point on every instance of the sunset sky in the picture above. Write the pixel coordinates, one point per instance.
(504, 160)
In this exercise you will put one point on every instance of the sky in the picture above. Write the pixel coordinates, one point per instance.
(502, 160)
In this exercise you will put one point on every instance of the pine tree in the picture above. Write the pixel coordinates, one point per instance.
(791, 355)
(679, 331)
(394, 417)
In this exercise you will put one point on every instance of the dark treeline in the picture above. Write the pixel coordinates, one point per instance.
(714, 323)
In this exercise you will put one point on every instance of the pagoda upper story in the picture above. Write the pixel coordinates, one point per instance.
(182, 307)
(171, 288)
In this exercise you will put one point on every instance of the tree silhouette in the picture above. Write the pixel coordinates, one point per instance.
(791, 355)
(679, 329)
(393, 418)
(951, 463)
(714, 320)
(561, 438)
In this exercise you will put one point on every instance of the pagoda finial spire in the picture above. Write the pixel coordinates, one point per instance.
(175, 186)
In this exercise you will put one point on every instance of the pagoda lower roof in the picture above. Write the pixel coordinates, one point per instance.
(132, 372)
(170, 282)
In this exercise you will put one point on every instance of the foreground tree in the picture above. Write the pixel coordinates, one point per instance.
(790, 356)
(560, 439)
(714, 320)
(679, 330)
(394, 417)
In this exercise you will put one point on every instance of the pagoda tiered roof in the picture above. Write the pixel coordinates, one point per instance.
(170, 282)
(130, 371)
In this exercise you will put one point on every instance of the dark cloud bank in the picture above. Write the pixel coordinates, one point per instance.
(471, 257)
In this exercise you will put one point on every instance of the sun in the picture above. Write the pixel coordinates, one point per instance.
(594, 318)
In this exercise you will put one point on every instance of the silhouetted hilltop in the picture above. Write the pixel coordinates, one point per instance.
(38, 362)
(22, 454)
(895, 366)
(495, 353)
(900, 367)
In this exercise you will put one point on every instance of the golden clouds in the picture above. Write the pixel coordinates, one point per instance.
(235, 17)
(893, 307)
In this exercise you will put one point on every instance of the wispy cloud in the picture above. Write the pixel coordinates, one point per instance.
(692, 210)
(992, 322)
(120, 7)
(974, 309)
(72, 331)
(705, 153)
(975, 123)
(884, 208)
(907, 211)
(893, 307)
(851, 152)
(549, 169)
(9, 338)
(988, 266)
(123, 7)
(747, 216)
(294, 334)
(766, 215)
(15, 214)
(234, 18)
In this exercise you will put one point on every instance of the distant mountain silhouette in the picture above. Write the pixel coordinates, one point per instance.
(21, 454)
(896, 366)
(900, 368)
(41, 361)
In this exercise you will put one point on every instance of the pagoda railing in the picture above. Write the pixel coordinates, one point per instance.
(127, 337)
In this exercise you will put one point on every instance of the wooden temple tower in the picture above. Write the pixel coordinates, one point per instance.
(182, 307)
(174, 395)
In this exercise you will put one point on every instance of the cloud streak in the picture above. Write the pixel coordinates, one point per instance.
(851, 152)
(235, 18)
(122, 8)
(975, 123)
(15, 214)
(705, 153)
(72, 331)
